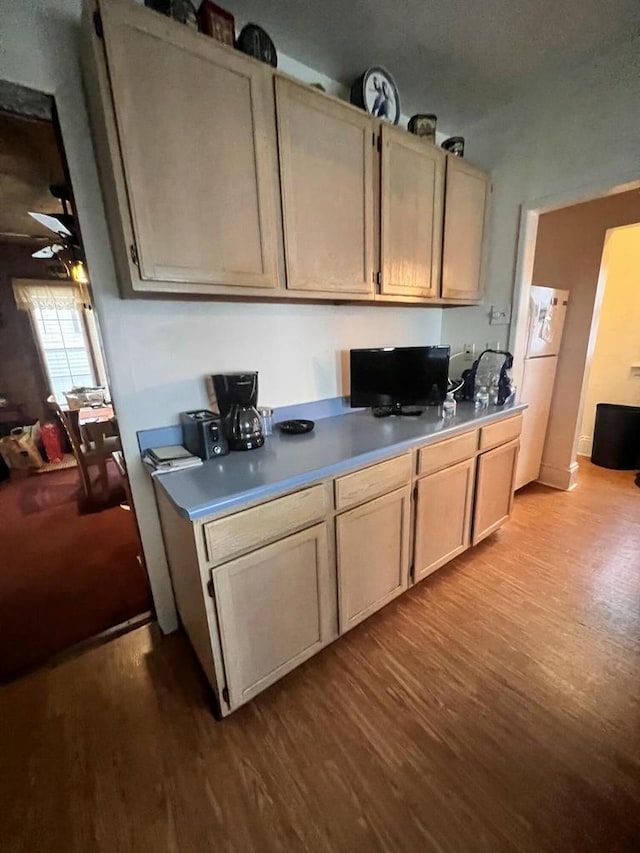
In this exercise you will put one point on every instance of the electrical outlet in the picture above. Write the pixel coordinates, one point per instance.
(469, 351)
(500, 315)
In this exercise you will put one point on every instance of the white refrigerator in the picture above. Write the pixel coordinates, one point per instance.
(547, 311)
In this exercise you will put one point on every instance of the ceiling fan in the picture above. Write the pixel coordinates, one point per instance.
(66, 248)
(62, 224)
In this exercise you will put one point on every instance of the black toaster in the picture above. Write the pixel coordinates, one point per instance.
(203, 434)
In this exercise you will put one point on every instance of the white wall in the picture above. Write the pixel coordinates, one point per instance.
(158, 352)
(612, 379)
(572, 137)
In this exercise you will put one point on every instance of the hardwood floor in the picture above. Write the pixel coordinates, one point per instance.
(494, 707)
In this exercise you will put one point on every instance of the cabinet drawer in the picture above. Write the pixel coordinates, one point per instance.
(448, 452)
(377, 480)
(250, 529)
(500, 433)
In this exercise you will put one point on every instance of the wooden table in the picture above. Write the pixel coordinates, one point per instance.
(98, 415)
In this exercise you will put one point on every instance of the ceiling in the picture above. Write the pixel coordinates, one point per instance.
(459, 58)
(29, 163)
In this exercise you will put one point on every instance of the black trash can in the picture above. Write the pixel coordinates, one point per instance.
(616, 437)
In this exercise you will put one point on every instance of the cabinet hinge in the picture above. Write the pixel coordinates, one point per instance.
(97, 24)
(376, 277)
(415, 492)
(373, 139)
(134, 254)
(225, 694)
(379, 143)
(210, 588)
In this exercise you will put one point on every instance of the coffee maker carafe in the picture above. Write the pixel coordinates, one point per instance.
(236, 396)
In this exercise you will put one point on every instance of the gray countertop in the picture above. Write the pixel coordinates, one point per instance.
(336, 445)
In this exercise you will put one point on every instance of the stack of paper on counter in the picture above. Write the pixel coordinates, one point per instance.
(162, 460)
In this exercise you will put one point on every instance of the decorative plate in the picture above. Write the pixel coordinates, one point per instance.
(376, 92)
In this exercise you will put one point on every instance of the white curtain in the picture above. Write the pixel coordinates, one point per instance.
(30, 296)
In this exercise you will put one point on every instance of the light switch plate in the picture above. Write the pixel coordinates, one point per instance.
(500, 315)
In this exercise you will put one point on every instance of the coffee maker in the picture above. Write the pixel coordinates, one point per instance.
(235, 395)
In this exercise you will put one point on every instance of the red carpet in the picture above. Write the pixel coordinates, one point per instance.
(64, 577)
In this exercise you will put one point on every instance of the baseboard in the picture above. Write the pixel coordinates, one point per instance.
(565, 479)
(585, 445)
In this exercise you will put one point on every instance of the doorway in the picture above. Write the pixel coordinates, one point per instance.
(72, 570)
(614, 368)
(562, 247)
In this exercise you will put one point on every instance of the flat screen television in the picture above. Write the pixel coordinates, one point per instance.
(392, 377)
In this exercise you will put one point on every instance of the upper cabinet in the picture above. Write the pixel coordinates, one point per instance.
(196, 135)
(466, 194)
(411, 198)
(326, 173)
(224, 177)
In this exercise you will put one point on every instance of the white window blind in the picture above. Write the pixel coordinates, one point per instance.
(64, 348)
(57, 315)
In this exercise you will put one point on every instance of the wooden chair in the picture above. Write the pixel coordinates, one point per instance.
(95, 451)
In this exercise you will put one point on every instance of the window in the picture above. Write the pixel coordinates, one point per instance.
(64, 348)
(65, 331)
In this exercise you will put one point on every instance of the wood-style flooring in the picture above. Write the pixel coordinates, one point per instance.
(495, 707)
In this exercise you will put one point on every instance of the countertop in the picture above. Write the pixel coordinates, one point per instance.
(336, 445)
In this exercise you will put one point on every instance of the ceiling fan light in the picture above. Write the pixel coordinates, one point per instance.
(79, 273)
(48, 251)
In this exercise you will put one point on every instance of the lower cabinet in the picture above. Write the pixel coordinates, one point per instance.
(274, 610)
(443, 517)
(262, 589)
(494, 489)
(372, 555)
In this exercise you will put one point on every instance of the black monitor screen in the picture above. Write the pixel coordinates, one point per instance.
(406, 376)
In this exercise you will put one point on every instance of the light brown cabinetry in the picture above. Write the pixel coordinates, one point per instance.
(448, 452)
(225, 178)
(494, 489)
(370, 482)
(372, 555)
(411, 200)
(261, 588)
(466, 194)
(196, 145)
(244, 531)
(274, 610)
(443, 517)
(500, 432)
(326, 173)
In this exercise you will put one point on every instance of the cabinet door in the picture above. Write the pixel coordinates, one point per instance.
(373, 556)
(443, 517)
(196, 128)
(326, 173)
(494, 489)
(412, 186)
(464, 220)
(274, 610)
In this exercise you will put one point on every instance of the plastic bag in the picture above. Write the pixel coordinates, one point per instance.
(19, 449)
